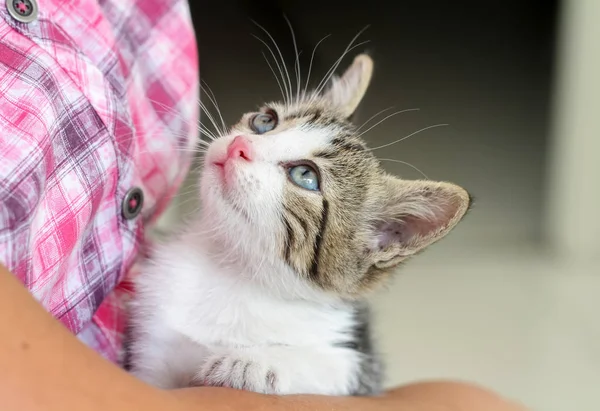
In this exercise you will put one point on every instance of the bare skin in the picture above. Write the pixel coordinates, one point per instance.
(43, 367)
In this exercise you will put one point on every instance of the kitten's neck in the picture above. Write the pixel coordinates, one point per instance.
(249, 265)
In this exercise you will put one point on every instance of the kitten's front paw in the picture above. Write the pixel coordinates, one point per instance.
(239, 373)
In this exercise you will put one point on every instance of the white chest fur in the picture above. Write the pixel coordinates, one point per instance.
(195, 322)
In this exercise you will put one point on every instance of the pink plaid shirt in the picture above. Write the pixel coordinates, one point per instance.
(96, 97)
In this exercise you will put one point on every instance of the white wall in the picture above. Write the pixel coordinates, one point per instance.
(573, 223)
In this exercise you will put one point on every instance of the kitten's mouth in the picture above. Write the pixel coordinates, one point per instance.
(220, 168)
(225, 175)
(225, 169)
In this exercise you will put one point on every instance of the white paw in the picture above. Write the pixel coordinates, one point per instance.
(234, 371)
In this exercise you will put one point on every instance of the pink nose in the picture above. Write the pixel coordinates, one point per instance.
(240, 148)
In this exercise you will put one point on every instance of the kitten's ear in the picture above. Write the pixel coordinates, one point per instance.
(414, 215)
(346, 92)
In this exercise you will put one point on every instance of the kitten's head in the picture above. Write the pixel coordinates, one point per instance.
(295, 185)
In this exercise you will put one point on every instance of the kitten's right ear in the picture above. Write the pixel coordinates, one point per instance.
(414, 214)
(346, 92)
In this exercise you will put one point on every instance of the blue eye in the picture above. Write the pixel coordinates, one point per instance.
(264, 122)
(304, 176)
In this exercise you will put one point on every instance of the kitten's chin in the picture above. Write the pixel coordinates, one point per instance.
(218, 198)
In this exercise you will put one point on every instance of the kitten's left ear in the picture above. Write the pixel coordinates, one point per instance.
(346, 92)
(414, 215)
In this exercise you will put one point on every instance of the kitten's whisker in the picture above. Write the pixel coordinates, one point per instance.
(286, 97)
(408, 136)
(298, 79)
(194, 187)
(210, 136)
(191, 197)
(201, 150)
(373, 116)
(406, 164)
(332, 70)
(213, 99)
(154, 134)
(190, 189)
(211, 118)
(208, 133)
(174, 148)
(312, 57)
(385, 118)
(276, 78)
(297, 62)
(188, 200)
(289, 82)
(171, 110)
(205, 132)
(205, 143)
(204, 127)
(199, 127)
(177, 150)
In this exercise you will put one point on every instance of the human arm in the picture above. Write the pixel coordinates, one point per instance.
(45, 368)
(424, 396)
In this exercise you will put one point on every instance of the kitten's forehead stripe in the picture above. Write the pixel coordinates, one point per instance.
(297, 217)
(289, 239)
(296, 234)
(314, 265)
(316, 116)
(311, 112)
(346, 142)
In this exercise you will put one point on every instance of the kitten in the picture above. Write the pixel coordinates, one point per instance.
(266, 289)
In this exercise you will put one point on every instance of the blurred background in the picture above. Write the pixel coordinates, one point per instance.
(509, 299)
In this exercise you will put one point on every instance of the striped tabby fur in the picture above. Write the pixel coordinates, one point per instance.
(265, 289)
